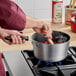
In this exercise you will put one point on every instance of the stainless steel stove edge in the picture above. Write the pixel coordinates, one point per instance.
(16, 64)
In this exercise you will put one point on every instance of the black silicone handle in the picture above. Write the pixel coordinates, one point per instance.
(10, 39)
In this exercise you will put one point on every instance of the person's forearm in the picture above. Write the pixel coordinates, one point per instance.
(31, 22)
(2, 30)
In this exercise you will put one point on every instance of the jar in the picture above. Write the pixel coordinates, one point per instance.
(57, 11)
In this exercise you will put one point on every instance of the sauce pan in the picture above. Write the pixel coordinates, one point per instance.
(48, 52)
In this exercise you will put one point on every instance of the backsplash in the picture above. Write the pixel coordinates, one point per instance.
(39, 8)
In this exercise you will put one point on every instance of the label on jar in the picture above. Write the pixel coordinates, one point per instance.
(57, 11)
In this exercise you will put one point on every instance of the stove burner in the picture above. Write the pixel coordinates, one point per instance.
(59, 63)
(48, 64)
(40, 64)
(66, 67)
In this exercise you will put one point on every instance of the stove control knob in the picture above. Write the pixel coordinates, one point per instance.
(73, 73)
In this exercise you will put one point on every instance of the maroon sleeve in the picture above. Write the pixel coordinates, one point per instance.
(2, 70)
(11, 16)
(4, 12)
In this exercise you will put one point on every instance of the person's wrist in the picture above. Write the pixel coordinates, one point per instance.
(37, 23)
(1, 30)
(31, 22)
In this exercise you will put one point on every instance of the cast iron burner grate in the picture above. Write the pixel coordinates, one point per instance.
(67, 67)
(40, 64)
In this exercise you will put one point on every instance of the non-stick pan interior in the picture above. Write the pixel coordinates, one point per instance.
(57, 36)
(60, 37)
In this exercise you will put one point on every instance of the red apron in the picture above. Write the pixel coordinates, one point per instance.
(2, 71)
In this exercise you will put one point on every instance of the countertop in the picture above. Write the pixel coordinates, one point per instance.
(29, 32)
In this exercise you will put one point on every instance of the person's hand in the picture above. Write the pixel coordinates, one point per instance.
(14, 35)
(39, 28)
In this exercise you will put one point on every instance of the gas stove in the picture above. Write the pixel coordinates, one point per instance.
(66, 67)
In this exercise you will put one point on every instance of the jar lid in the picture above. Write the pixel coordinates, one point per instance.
(73, 20)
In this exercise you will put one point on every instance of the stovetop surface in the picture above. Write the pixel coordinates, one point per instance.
(66, 67)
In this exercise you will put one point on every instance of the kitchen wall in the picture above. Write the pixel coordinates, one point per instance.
(39, 8)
